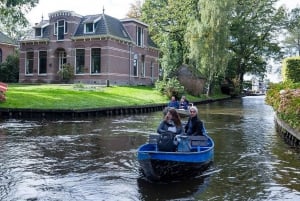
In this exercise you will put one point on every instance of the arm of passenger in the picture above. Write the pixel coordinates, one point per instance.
(160, 128)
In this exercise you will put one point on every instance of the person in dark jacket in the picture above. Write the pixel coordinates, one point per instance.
(173, 103)
(168, 129)
(171, 123)
(194, 125)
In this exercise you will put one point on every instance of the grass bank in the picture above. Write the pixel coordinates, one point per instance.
(53, 96)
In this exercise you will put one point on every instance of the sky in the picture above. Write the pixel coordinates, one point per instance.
(114, 8)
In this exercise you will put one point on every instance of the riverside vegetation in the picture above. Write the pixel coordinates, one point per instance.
(284, 97)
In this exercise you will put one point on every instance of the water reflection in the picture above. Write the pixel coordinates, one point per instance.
(179, 190)
(95, 159)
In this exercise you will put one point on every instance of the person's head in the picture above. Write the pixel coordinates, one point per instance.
(173, 115)
(173, 98)
(193, 111)
(183, 97)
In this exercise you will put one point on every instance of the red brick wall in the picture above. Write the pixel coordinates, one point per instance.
(6, 50)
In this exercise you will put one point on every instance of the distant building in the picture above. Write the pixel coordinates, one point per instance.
(101, 48)
(7, 46)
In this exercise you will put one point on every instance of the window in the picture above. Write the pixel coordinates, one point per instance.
(140, 37)
(79, 61)
(42, 62)
(143, 70)
(38, 32)
(62, 58)
(96, 60)
(0, 55)
(89, 28)
(60, 29)
(29, 63)
(135, 65)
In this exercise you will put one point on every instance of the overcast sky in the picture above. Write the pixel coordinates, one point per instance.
(115, 8)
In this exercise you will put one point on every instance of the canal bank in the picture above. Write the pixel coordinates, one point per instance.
(290, 135)
(22, 113)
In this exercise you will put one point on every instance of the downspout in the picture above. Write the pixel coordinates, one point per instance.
(130, 51)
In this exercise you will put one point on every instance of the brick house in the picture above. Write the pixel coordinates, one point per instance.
(7, 46)
(99, 47)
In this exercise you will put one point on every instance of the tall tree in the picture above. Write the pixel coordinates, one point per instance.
(292, 39)
(253, 38)
(135, 10)
(208, 40)
(12, 14)
(168, 20)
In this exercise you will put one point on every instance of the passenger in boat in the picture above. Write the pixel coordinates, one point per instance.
(184, 98)
(194, 125)
(173, 103)
(184, 104)
(169, 128)
(171, 123)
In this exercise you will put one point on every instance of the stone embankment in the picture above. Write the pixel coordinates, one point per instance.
(290, 135)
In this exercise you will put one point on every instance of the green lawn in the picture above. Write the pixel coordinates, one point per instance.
(54, 96)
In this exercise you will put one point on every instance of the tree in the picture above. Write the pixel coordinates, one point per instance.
(9, 70)
(12, 14)
(135, 10)
(292, 40)
(254, 24)
(208, 40)
(167, 22)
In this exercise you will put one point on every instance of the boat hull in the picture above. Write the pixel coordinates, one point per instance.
(158, 165)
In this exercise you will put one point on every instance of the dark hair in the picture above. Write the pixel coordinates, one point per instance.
(175, 116)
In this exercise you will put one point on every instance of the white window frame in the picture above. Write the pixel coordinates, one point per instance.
(85, 28)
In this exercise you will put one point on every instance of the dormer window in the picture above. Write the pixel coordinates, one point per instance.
(38, 32)
(60, 29)
(89, 28)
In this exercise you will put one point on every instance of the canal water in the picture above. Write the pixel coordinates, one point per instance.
(95, 159)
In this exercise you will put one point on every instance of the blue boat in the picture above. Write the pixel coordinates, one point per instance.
(194, 155)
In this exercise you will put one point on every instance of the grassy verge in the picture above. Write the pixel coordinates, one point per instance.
(50, 96)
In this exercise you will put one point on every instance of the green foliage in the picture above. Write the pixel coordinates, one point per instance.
(285, 99)
(253, 29)
(66, 73)
(170, 87)
(9, 70)
(167, 22)
(291, 69)
(208, 39)
(12, 14)
(292, 37)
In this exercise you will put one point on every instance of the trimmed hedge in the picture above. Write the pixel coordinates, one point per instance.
(291, 69)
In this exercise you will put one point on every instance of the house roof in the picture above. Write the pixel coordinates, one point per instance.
(6, 40)
(104, 25)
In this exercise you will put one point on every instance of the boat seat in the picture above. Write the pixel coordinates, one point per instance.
(196, 141)
(192, 143)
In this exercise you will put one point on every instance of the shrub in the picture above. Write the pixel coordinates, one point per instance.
(170, 87)
(285, 99)
(9, 70)
(66, 73)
